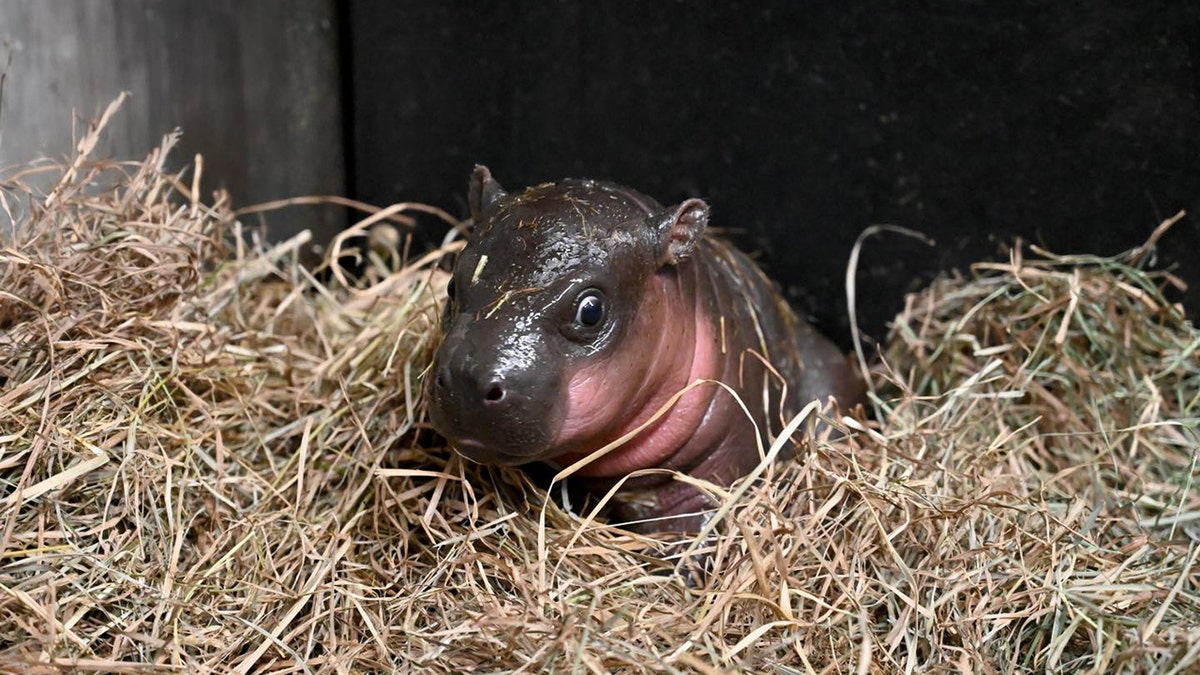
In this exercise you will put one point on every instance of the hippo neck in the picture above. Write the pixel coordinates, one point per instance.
(683, 435)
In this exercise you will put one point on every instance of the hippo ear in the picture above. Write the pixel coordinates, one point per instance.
(679, 229)
(483, 191)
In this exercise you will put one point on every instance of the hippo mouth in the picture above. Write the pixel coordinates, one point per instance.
(479, 452)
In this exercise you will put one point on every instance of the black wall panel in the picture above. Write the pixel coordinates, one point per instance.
(1073, 124)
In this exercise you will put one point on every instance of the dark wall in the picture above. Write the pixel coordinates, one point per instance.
(1075, 124)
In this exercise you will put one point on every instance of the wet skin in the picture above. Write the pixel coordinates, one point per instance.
(579, 308)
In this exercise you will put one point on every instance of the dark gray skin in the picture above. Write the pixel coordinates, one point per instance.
(578, 308)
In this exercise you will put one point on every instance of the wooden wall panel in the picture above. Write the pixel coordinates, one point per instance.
(253, 85)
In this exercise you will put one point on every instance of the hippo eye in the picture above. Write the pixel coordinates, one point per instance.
(589, 309)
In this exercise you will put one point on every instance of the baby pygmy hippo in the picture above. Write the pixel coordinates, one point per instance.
(579, 308)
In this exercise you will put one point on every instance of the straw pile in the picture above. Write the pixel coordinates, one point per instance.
(212, 461)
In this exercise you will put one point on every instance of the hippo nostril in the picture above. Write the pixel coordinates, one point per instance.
(495, 393)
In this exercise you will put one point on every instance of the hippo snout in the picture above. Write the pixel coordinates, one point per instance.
(492, 416)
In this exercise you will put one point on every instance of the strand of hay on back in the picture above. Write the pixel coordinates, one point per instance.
(211, 461)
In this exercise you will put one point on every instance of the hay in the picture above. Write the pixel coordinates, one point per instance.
(212, 461)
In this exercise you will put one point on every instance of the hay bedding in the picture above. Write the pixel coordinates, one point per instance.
(212, 461)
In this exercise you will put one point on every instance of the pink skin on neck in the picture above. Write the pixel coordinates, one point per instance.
(610, 397)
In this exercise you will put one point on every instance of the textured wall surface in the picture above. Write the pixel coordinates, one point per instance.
(253, 85)
(1075, 124)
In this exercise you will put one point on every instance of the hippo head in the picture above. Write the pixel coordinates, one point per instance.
(551, 306)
